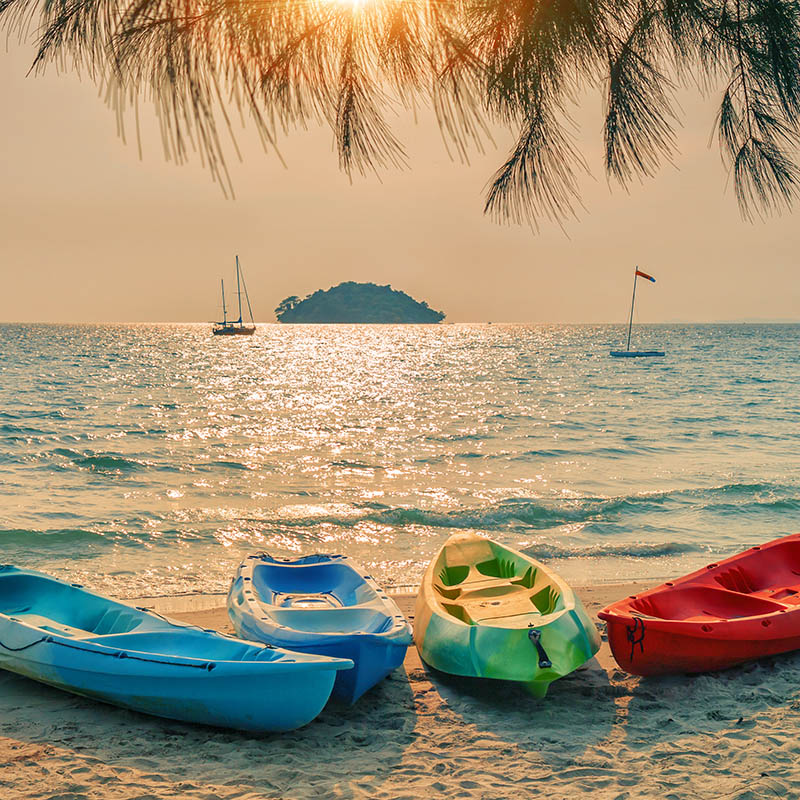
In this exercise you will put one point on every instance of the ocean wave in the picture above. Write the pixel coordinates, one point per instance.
(224, 465)
(619, 550)
(636, 446)
(742, 498)
(758, 506)
(58, 537)
(540, 513)
(101, 462)
(741, 488)
(531, 514)
(458, 437)
(510, 512)
(21, 430)
(344, 464)
(110, 463)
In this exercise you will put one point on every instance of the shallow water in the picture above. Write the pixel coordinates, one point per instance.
(144, 459)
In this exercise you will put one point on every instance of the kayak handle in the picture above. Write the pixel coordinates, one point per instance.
(535, 635)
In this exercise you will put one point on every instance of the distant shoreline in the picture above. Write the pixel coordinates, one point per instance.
(274, 323)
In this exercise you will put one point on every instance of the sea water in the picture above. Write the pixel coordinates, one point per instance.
(149, 459)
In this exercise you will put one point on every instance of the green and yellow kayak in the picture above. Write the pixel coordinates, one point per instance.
(487, 611)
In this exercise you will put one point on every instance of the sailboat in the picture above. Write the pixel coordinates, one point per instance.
(237, 327)
(627, 352)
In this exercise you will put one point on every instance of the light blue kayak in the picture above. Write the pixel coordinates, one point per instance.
(321, 604)
(70, 638)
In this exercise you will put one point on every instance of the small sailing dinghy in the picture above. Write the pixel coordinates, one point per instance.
(70, 638)
(730, 612)
(321, 604)
(236, 327)
(487, 611)
(627, 352)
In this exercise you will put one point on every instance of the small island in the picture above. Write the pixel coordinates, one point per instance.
(357, 302)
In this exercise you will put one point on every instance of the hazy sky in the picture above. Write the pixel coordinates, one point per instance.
(88, 232)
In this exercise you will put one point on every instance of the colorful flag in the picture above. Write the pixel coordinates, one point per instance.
(645, 275)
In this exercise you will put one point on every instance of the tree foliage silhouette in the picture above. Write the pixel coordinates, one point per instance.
(477, 63)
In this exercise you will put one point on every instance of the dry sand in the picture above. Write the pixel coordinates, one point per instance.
(599, 731)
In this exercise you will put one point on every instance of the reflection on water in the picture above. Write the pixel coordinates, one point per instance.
(150, 459)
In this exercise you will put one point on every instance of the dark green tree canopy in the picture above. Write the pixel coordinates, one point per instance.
(287, 305)
(519, 63)
(357, 302)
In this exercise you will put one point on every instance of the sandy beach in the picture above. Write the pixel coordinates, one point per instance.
(421, 734)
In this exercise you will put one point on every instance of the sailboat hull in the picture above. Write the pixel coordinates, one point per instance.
(244, 331)
(637, 353)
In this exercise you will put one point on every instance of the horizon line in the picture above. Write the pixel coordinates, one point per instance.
(744, 321)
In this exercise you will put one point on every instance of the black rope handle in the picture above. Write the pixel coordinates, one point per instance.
(206, 665)
(535, 635)
(26, 646)
(635, 634)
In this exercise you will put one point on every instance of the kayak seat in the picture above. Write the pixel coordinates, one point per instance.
(451, 575)
(315, 601)
(501, 599)
(736, 579)
(51, 625)
(475, 580)
(332, 620)
(478, 580)
(65, 609)
(497, 568)
(483, 606)
(117, 620)
(271, 580)
(469, 587)
(694, 603)
(760, 571)
(459, 612)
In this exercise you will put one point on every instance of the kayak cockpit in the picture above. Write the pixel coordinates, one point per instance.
(314, 596)
(701, 603)
(332, 620)
(310, 583)
(762, 580)
(67, 610)
(771, 571)
(481, 581)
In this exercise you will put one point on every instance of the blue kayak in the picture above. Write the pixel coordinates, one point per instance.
(70, 638)
(321, 604)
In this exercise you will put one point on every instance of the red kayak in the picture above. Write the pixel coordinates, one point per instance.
(742, 608)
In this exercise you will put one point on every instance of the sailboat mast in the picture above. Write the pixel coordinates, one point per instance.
(239, 290)
(633, 301)
(247, 297)
(224, 310)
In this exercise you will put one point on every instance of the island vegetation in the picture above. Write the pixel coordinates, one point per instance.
(357, 302)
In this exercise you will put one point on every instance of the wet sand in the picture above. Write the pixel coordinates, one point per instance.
(422, 734)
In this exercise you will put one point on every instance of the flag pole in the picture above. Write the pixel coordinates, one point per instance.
(633, 300)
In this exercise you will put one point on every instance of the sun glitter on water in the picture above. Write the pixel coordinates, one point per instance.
(354, 5)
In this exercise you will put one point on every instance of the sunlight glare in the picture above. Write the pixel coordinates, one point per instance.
(354, 5)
